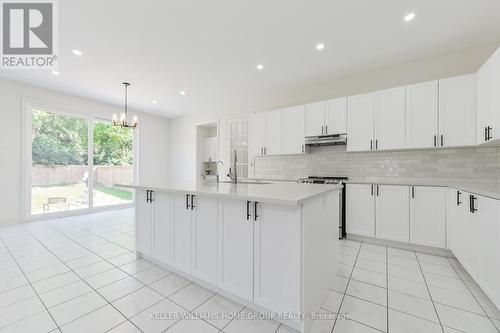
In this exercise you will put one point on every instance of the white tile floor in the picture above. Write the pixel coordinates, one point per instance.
(80, 274)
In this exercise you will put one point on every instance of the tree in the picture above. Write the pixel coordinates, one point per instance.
(63, 140)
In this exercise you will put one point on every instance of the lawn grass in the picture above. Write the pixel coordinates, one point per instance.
(124, 195)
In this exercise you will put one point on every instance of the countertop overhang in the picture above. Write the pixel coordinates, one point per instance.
(275, 193)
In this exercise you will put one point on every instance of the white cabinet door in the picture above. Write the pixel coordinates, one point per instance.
(274, 133)
(315, 119)
(456, 215)
(422, 115)
(181, 258)
(488, 100)
(427, 216)
(486, 224)
(162, 227)
(457, 111)
(205, 236)
(390, 118)
(236, 249)
(144, 220)
(258, 127)
(360, 209)
(360, 123)
(277, 282)
(294, 130)
(392, 213)
(336, 116)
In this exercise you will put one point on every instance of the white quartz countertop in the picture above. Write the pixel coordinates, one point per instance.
(277, 193)
(490, 190)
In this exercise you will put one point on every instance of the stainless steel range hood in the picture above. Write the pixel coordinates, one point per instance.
(326, 140)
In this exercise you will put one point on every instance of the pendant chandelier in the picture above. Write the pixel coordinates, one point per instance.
(123, 120)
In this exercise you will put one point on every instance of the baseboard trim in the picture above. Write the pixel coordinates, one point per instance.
(401, 245)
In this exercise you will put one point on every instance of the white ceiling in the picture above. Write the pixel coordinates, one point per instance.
(210, 48)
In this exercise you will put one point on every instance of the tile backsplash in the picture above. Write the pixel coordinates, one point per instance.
(458, 165)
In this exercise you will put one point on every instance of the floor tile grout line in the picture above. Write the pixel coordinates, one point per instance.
(429, 292)
(347, 286)
(41, 301)
(109, 303)
(480, 305)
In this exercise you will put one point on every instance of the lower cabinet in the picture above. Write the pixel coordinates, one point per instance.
(428, 216)
(205, 237)
(475, 237)
(409, 214)
(277, 255)
(162, 227)
(360, 209)
(236, 249)
(181, 240)
(144, 226)
(392, 218)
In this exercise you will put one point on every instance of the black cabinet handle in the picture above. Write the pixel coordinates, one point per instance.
(376, 144)
(326, 129)
(489, 133)
(435, 140)
(458, 198)
(322, 129)
(151, 196)
(248, 210)
(473, 208)
(371, 144)
(147, 195)
(192, 201)
(377, 190)
(255, 216)
(372, 190)
(442, 140)
(187, 201)
(485, 133)
(413, 192)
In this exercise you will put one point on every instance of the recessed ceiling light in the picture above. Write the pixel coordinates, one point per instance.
(154, 102)
(77, 52)
(260, 67)
(55, 73)
(409, 17)
(320, 47)
(182, 92)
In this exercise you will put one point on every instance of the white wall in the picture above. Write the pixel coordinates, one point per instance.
(152, 140)
(182, 130)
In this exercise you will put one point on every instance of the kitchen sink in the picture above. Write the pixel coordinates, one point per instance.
(245, 182)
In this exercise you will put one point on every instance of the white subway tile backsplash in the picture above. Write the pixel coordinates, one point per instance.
(457, 164)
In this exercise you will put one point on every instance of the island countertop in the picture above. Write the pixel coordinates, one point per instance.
(276, 193)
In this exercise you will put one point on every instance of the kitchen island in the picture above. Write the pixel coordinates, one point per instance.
(272, 247)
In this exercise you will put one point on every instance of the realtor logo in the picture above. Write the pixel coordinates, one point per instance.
(28, 34)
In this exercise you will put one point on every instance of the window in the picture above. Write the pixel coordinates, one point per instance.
(238, 140)
(75, 162)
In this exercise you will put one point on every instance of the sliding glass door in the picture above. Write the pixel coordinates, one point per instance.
(113, 164)
(75, 163)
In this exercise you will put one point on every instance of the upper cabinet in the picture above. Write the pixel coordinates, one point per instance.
(274, 144)
(422, 115)
(457, 111)
(360, 122)
(488, 100)
(293, 130)
(315, 119)
(279, 132)
(389, 115)
(258, 130)
(328, 117)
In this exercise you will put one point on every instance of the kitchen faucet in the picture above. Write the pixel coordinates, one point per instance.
(231, 175)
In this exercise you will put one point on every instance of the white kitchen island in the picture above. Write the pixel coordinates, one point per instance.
(272, 247)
